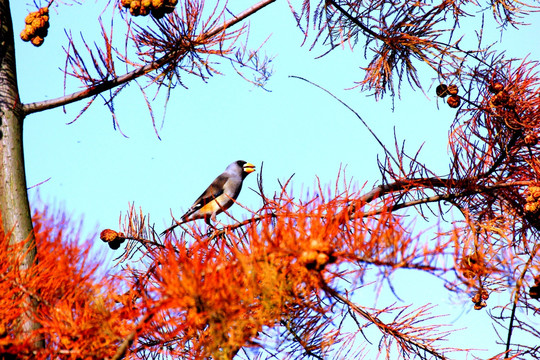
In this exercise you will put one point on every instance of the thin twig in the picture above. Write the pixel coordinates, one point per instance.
(298, 339)
(354, 112)
(356, 21)
(516, 299)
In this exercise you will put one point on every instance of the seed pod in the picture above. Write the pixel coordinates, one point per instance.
(30, 17)
(43, 32)
(441, 90)
(37, 41)
(108, 235)
(495, 88)
(531, 207)
(309, 258)
(143, 11)
(30, 30)
(480, 305)
(454, 101)
(112, 238)
(43, 11)
(25, 36)
(452, 89)
(322, 260)
(319, 245)
(40, 23)
(115, 244)
(125, 3)
(158, 13)
(156, 4)
(135, 8)
(535, 192)
(501, 98)
(534, 292)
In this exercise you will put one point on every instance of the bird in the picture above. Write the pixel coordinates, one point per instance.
(219, 196)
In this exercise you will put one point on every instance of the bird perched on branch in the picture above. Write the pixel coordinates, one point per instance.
(219, 196)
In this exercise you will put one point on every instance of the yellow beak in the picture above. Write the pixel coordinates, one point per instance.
(249, 168)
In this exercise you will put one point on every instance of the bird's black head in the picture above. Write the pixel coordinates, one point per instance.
(246, 167)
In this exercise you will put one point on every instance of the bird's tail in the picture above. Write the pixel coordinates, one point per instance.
(168, 230)
(183, 219)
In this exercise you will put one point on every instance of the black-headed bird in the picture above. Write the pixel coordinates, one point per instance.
(219, 196)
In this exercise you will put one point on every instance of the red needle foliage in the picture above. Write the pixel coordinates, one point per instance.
(279, 272)
(74, 303)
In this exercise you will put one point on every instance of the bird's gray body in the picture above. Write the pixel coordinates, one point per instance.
(224, 189)
(219, 196)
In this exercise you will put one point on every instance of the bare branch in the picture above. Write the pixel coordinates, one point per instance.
(110, 84)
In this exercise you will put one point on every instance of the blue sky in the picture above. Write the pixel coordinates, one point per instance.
(294, 128)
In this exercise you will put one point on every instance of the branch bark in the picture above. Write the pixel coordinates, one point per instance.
(132, 75)
(14, 206)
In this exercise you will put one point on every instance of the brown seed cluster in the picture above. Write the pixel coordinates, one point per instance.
(479, 299)
(158, 8)
(532, 205)
(36, 26)
(495, 87)
(113, 238)
(317, 256)
(534, 291)
(472, 266)
(501, 97)
(443, 90)
(504, 104)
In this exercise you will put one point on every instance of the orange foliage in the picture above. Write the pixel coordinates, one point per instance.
(78, 317)
(222, 291)
(282, 272)
(208, 295)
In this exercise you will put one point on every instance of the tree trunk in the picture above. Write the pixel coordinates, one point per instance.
(14, 207)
